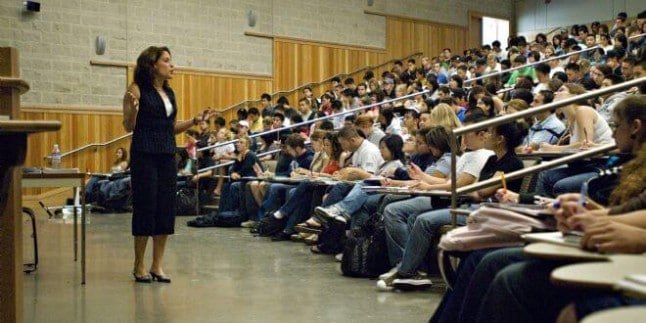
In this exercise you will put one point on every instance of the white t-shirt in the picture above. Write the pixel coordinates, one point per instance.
(221, 150)
(367, 157)
(389, 167)
(442, 165)
(472, 162)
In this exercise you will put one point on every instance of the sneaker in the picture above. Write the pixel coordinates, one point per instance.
(329, 212)
(386, 284)
(339, 257)
(412, 283)
(391, 272)
(248, 224)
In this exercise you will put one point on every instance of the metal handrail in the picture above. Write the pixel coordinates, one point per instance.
(300, 87)
(456, 133)
(107, 143)
(536, 168)
(535, 110)
(511, 69)
(307, 122)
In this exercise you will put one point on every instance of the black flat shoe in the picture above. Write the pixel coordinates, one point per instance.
(160, 278)
(142, 279)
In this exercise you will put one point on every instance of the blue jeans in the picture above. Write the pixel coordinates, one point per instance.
(273, 199)
(421, 237)
(231, 196)
(298, 205)
(337, 193)
(474, 275)
(399, 218)
(558, 181)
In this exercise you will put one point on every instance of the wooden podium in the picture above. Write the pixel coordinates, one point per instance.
(13, 148)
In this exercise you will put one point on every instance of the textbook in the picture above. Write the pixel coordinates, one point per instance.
(570, 240)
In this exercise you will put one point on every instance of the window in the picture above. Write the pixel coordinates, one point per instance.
(495, 29)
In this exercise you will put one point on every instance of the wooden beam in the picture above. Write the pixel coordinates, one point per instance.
(313, 42)
(185, 69)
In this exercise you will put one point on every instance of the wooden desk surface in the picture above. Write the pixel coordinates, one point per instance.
(13, 82)
(552, 251)
(628, 314)
(599, 275)
(52, 175)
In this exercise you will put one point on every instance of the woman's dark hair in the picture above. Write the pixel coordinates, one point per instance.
(488, 101)
(439, 138)
(389, 115)
(327, 125)
(124, 155)
(622, 40)
(432, 82)
(333, 138)
(394, 143)
(457, 79)
(556, 37)
(513, 132)
(145, 69)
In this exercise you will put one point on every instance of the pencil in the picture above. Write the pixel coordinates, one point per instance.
(504, 182)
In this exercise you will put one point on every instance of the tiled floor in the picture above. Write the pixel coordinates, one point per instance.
(219, 275)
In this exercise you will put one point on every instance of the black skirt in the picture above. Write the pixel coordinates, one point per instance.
(153, 193)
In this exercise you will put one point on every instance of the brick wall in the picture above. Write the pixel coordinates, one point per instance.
(57, 43)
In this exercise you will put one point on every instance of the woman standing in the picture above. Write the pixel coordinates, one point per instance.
(149, 111)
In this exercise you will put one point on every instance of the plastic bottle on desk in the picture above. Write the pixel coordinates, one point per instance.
(56, 157)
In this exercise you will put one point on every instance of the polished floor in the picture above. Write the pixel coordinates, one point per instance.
(219, 275)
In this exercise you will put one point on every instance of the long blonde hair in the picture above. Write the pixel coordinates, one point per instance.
(443, 115)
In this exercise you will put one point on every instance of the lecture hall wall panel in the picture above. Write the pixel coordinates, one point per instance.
(404, 36)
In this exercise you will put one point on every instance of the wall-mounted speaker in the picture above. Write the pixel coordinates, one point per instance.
(370, 3)
(32, 6)
(251, 18)
(100, 45)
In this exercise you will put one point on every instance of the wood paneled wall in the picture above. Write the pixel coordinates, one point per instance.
(195, 91)
(404, 36)
(299, 62)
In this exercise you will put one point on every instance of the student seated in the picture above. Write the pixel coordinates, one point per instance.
(121, 163)
(478, 270)
(416, 235)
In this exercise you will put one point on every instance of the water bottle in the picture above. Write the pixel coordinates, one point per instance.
(56, 157)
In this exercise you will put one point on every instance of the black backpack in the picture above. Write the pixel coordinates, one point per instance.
(186, 201)
(332, 237)
(270, 226)
(366, 253)
(226, 219)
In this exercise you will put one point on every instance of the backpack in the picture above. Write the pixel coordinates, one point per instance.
(186, 201)
(226, 219)
(270, 226)
(493, 227)
(366, 253)
(332, 237)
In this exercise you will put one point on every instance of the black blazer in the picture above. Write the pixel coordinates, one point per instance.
(154, 131)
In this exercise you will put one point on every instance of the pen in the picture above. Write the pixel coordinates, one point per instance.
(583, 194)
(504, 182)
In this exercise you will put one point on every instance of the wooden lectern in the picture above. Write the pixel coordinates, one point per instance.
(13, 147)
